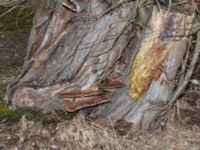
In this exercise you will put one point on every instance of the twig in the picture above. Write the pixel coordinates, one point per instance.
(170, 5)
(9, 10)
(159, 6)
(195, 6)
(189, 71)
(184, 63)
(188, 75)
(71, 7)
(185, 82)
(181, 3)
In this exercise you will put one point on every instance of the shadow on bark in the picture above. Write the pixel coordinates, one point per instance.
(86, 53)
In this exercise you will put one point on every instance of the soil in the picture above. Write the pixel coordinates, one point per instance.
(58, 131)
(13, 39)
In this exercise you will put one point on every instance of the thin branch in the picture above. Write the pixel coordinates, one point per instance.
(170, 5)
(187, 78)
(195, 6)
(184, 63)
(189, 71)
(159, 6)
(8, 11)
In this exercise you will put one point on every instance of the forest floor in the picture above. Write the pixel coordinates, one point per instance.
(75, 131)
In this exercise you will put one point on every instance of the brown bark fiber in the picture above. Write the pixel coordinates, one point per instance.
(84, 53)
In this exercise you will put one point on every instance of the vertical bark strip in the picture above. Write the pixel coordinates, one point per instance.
(155, 66)
(79, 52)
(163, 34)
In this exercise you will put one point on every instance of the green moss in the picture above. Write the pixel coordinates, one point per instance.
(66, 115)
(52, 117)
(8, 114)
(19, 20)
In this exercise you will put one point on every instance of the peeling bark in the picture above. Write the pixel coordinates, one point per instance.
(80, 55)
(72, 51)
(153, 72)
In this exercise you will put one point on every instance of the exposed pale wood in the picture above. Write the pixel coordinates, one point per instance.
(80, 51)
(182, 86)
(155, 66)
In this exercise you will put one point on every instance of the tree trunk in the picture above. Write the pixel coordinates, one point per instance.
(83, 53)
(153, 72)
(71, 52)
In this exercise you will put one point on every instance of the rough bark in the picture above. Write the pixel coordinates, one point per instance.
(153, 72)
(80, 55)
(71, 52)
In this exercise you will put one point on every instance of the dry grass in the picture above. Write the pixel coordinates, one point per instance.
(83, 134)
(10, 3)
(76, 134)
